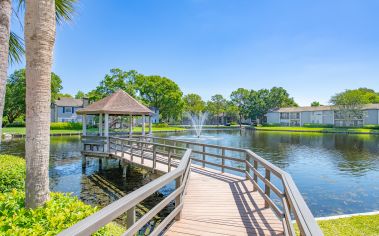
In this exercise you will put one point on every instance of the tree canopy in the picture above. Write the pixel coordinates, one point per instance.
(193, 103)
(315, 104)
(355, 96)
(15, 94)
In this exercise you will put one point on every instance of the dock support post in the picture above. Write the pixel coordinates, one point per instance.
(100, 164)
(124, 167)
(131, 217)
(131, 127)
(150, 125)
(106, 132)
(84, 162)
(100, 124)
(84, 124)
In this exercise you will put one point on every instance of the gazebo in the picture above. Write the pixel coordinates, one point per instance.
(119, 103)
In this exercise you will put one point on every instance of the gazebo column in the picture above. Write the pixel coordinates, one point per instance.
(143, 125)
(84, 124)
(150, 125)
(106, 132)
(131, 126)
(101, 124)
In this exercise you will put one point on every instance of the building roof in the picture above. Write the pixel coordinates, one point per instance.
(321, 108)
(118, 103)
(69, 102)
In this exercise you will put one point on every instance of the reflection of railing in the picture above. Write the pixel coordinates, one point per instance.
(128, 203)
(256, 169)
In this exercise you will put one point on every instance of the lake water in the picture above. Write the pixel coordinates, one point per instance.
(336, 173)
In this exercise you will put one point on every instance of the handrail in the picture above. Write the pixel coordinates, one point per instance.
(127, 203)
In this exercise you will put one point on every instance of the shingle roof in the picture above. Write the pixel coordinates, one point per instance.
(69, 102)
(320, 108)
(118, 103)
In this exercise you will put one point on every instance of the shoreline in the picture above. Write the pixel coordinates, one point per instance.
(278, 129)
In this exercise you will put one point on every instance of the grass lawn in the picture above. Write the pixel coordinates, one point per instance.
(352, 226)
(322, 130)
(21, 130)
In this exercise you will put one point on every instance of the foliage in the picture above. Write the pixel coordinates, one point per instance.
(16, 124)
(162, 93)
(61, 212)
(115, 80)
(315, 104)
(264, 100)
(217, 106)
(65, 126)
(371, 126)
(64, 95)
(15, 94)
(16, 48)
(193, 103)
(271, 125)
(12, 173)
(240, 99)
(353, 226)
(80, 94)
(160, 125)
(315, 125)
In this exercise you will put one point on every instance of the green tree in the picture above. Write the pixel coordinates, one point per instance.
(64, 95)
(240, 99)
(80, 94)
(162, 93)
(217, 106)
(193, 103)
(115, 80)
(15, 94)
(315, 104)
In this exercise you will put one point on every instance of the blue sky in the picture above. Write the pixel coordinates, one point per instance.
(311, 48)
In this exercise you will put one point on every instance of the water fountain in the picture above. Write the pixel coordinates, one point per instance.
(198, 122)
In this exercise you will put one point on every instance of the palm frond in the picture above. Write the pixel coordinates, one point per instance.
(16, 48)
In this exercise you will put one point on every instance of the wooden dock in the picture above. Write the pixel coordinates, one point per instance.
(207, 201)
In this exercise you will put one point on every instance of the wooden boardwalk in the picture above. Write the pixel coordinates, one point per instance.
(215, 203)
(222, 204)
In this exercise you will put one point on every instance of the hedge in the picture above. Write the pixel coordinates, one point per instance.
(12, 173)
(65, 126)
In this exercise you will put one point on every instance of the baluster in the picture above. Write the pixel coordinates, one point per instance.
(255, 177)
(131, 217)
(223, 160)
(267, 187)
(178, 199)
(203, 164)
(169, 160)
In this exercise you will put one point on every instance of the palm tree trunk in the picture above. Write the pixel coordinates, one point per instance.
(5, 25)
(39, 42)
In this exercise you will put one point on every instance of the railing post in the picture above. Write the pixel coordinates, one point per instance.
(131, 217)
(223, 160)
(122, 148)
(178, 199)
(142, 153)
(267, 187)
(247, 158)
(154, 157)
(131, 150)
(169, 160)
(203, 164)
(255, 177)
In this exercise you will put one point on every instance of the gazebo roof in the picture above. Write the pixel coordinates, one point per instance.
(118, 103)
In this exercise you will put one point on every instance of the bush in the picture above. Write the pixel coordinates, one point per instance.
(315, 125)
(160, 125)
(271, 125)
(12, 173)
(61, 212)
(371, 126)
(65, 126)
(16, 124)
(233, 123)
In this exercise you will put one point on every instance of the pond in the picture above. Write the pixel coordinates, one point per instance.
(336, 173)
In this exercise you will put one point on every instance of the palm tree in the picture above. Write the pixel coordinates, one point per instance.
(5, 19)
(12, 45)
(39, 41)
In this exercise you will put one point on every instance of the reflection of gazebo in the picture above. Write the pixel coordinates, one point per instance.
(117, 104)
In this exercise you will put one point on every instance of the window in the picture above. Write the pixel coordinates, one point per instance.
(295, 115)
(284, 115)
(67, 109)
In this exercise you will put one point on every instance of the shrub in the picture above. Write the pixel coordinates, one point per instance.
(315, 125)
(61, 212)
(371, 126)
(233, 123)
(12, 173)
(65, 126)
(161, 125)
(271, 125)
(16, 124)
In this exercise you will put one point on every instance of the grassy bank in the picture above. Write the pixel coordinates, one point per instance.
(320, 130)
(22, 130)
(59, 213)
(352, 226)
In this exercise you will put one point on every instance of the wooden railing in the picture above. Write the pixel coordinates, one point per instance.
(128, 203)
(277, 186)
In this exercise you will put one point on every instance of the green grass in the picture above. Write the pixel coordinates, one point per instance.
(321, 130)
